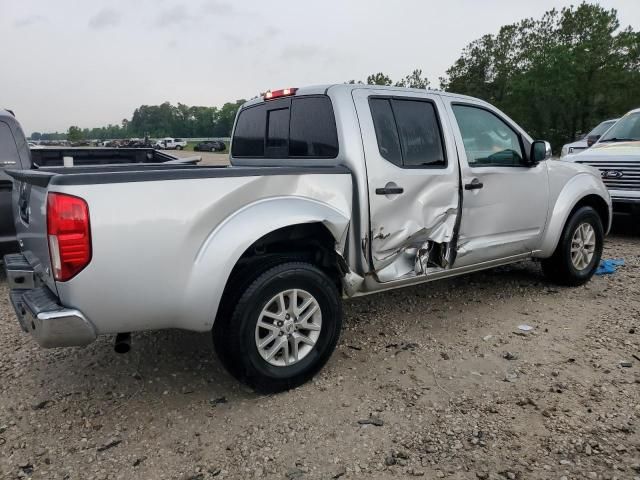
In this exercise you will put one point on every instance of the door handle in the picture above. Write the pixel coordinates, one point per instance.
(474, 185)
(389, 191)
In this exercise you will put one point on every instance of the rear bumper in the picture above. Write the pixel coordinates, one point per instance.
(39, 311)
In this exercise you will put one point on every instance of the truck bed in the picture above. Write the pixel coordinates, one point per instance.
(171, 233)
(53, 157)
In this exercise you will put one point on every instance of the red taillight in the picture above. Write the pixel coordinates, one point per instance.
(69, 235)
(285, 92)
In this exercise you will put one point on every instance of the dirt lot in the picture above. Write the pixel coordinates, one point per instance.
(435, 381)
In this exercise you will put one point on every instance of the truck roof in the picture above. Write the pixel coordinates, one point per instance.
(323, 90)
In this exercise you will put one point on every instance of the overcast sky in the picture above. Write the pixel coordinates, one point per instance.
(92, 62)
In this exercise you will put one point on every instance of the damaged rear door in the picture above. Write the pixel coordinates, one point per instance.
(413, 179)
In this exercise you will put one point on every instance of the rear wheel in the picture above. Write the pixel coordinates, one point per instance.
(283, 329)
(579, 250)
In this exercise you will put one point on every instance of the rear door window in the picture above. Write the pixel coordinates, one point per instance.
(408, 132)
(302, 127)
(420, 136)
(386, 130)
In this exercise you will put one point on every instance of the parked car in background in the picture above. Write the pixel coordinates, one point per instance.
(351, 190)
(617, 155)
(136, 143)
(588, 140)
(210, 146)
(169, 143)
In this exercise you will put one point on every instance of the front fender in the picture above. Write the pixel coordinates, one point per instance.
(577, 188)
(225, 245)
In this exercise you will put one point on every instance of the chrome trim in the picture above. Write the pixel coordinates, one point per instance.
(50, 324)
(60, 328)
(625, 199)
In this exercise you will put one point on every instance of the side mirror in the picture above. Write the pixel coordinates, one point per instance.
(540, 151)
(591, 139)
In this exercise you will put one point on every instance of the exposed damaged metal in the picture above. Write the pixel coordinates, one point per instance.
(414, 250)
(351, 282)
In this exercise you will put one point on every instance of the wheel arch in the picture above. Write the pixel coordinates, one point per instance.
(582, 190)
(265, 226)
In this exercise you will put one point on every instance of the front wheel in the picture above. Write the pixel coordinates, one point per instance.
(579, 250)
(283, 328)
(179, 147)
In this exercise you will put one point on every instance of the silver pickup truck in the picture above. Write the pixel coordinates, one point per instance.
(333, 192)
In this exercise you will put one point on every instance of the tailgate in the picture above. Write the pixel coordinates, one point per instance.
(29, 201)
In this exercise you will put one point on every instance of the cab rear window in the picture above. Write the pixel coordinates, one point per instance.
(302, 127)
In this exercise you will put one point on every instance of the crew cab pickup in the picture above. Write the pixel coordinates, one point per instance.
(333, 192)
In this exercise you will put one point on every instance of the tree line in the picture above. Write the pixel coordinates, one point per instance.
(557, 76)
(159, 121)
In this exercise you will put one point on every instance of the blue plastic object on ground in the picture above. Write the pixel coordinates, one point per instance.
(609, 266)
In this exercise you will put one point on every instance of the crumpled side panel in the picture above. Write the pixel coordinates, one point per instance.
(417, 234)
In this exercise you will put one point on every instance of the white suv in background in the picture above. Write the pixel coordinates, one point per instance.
(588, 140)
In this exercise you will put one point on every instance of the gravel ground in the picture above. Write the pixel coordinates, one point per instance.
(434, 381)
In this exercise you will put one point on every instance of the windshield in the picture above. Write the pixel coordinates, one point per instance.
(602, 128)
(627, 129)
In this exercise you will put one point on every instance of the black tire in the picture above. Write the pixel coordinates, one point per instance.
(213, 149)
(234, 335)
(559, 268)
(178, 147)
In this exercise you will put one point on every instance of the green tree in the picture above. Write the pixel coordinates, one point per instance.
(379, 79)
(161, 121)
(74, 134)
(557, 76)
(225, 117)
(414, 80)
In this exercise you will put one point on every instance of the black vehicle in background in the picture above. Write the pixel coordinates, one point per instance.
(210, 146)
(14, 154)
